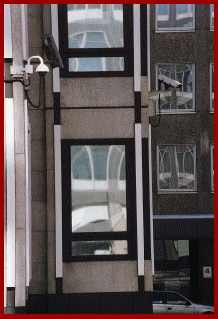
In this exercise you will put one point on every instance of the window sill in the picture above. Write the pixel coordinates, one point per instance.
(179, 30)
(175, 113)
(176, 192)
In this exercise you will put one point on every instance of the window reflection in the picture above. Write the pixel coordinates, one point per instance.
(89, 248)
(98, 183)
(212, 87)
(99, 25)
(212, 16)
(177, 167)
(212, 168)
(174, 16)
(172, 266)
(182, 98)
(96, 64)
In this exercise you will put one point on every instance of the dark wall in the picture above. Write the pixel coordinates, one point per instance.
(117, 303)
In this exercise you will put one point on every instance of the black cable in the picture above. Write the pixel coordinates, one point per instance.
(26, 94)
(20, 81)
(29, 101)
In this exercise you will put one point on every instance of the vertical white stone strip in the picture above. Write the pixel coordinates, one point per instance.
(148, 47)
(56, 71)
(10, 192)
(28, 194)
(58, 201)
(151, 198)
(24, 31)
(137, 47)
(7, 32)
(29, 202)
(139, 199)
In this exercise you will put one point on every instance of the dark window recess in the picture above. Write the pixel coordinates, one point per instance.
(99, 205)
(96, 39)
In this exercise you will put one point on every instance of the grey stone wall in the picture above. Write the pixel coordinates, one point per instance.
(196, 128)
(106, 110)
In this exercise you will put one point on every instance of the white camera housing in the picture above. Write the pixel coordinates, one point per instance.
(42, 69)
(169, 82)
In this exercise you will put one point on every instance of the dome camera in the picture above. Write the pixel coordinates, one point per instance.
(42, 69)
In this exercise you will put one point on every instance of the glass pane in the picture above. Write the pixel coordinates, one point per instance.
(163, 9)
(177, 167)
(174, 16)
(98, 184)
(172, 267)
(107, 247)
(212, 16)
(96, 64)
(212, 168)
(212, 88)
(177, 99)
(175, 299)
(99, 25)
(182, 8)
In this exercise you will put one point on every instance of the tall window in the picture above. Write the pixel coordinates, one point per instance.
(171, 17)
(176, 168)
(99, 200)
(181, 99)
(212, 168)
(212, 17)
(96, 38)
(212, 87)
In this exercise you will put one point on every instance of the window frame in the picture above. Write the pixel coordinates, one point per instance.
(211, 87)
(130, 235)
(126, 51)
(212, 167)
(211, 17)
(177, 111)
(174, 29)
(176, 191)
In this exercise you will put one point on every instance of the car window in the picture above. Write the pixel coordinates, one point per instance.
(157, 298)
(175, 299)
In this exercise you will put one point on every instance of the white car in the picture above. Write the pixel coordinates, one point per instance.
(169, 302)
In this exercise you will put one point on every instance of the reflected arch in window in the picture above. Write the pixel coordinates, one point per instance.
(81, 163)
(181, 99)
(176, 167)
(114, 161)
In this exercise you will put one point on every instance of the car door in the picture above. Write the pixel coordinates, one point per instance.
(177, 304)
(159, 307)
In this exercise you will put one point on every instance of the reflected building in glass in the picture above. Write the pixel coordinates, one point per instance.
(95, 26)
(98, 182)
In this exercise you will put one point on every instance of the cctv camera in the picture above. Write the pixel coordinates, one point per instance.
(168, 82)
(52, 52)
(42, 69)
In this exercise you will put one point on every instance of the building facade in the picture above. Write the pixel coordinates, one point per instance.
(108, 188)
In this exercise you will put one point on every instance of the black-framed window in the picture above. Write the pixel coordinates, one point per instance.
(96, 39)
(99, 205)
(175, 17)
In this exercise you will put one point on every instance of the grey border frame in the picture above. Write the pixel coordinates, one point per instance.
(176, 191)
